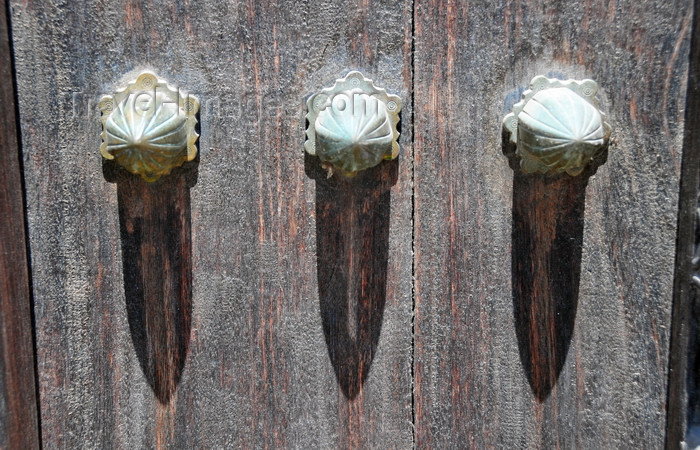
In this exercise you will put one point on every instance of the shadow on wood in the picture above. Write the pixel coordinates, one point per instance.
(19, 420)
(352, 246)
(155, 226)
(547, 240)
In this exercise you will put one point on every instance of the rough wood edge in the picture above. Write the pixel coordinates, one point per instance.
(20, 421)
(685, 242)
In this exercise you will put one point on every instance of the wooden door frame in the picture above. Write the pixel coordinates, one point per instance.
(20, 420)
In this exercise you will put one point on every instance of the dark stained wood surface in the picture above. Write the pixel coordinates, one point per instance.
(298, 328)
(546, 269)
(684, 365)
(18, 402)
(352, 244)
(472, 62)
(257, 372)
(155, 228)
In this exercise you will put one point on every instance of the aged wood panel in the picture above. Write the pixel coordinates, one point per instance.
(264, 350)
(472, 61)
(18, 408)
(684, 367)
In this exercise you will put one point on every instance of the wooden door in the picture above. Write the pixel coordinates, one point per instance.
(256, 371)
(247, 301)
(607, 291)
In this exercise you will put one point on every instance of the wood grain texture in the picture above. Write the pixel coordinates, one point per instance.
(472, 62)
(156, 240)
(352, 243)
(18, 402)
(546, 269)
(684, 360)
(257, 372)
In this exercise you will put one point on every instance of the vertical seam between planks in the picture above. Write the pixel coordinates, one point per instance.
(413, 225)
(19, 155)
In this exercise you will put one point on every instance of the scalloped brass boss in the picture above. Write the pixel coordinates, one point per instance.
(557, 126)
(352, 125)
(149, 127)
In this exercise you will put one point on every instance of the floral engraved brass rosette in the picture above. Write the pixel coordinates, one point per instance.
(149, 127)
(352, 125)
(557, 126)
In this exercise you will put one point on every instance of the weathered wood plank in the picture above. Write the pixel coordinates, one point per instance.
(472, 62)
(684, 371)
(18, 404)
(257, 372)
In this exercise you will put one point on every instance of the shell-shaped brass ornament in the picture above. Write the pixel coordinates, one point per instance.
(149, 127)
(352, 125)
(557, 126)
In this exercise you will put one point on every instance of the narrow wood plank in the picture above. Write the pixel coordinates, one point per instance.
(684, 371)
(257, 373)
(472, 63)
(18, 404)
